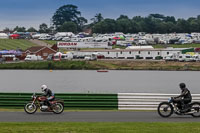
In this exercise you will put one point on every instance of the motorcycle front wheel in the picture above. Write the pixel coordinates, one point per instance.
(30, 108)
(165, 109)
(58, 108)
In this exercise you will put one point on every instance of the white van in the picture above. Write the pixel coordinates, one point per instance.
(33, 58)
(170, 57)
(196, 58)
(185, 58)
(68, 56)
(92, 56)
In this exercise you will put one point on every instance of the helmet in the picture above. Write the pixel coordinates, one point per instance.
(182, 85)
(44, 87)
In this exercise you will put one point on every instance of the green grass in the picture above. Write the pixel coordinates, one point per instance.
(45, 65)
(99, 127)
(177, 45)
(108, 64)
(12, 44)
(51, 42)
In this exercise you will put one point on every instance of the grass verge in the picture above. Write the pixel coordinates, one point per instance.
(105, 64)
(177, 45)
(99, 127)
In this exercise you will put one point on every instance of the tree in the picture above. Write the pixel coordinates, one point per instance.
(20, 29)
(182, 26)
(124, 25)
(105, 26)
(66, 13)
(193, 24)
(82, 22)
(31, 29)
(68, 27)
(7, 30)
(157, 16)
(122, 17)
(43, 28)
(97, 18)
(170, 19)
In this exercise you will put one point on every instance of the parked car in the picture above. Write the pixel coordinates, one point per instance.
(50, 57)
(67, 56)
(90, 57)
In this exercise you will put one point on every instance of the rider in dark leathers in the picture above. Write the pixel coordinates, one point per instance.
(47, 93)
(184, 98)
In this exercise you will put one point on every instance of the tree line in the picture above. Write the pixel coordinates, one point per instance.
(68, 18)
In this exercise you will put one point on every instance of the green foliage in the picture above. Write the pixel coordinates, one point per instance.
(68, 13)
(43, 28)
(31, 29)
(105, 26)
(154, 23)
(68, 27)
(97, 18)
(20, 29)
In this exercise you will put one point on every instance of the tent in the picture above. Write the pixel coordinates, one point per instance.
(10, 52)
(14, 36)
(119, 38)
(3, 36)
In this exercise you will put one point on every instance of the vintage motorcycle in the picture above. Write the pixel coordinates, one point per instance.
(166, 109)
(57, 106)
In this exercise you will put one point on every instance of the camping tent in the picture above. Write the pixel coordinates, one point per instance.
(14, 36)
(3, 36)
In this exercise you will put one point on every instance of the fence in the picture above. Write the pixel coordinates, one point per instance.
(75, 101)
(145, 101)
(120, 101)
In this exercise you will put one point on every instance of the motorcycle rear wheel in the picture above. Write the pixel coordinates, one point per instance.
(195, 107)
(58, 108)
(165, 109)
(30, 108)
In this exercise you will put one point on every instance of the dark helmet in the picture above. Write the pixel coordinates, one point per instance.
(182, 85)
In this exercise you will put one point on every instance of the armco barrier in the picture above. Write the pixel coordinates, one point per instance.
(120, 101)
(75, 101)
(145, 101)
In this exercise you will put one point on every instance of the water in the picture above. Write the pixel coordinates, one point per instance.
(83, 81)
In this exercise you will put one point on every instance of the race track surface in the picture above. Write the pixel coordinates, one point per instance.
(104, 116)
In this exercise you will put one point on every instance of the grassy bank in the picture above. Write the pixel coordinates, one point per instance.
(100, 127)
(105, 64)
(10, 44)
(177, 45)
(45, 65)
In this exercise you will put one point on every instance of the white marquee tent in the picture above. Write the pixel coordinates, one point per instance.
(3, 36)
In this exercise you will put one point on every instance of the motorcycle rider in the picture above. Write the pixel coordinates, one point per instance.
(48, 94)
(184, 98)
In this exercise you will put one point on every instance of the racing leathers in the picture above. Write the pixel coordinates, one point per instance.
(183, 99)
(50, 96)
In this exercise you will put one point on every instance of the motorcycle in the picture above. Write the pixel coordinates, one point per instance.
(166, 109)
(57, 106)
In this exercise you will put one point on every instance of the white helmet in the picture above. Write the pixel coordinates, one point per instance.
(44, 87)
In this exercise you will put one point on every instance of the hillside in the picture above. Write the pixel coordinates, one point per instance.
(12, 44)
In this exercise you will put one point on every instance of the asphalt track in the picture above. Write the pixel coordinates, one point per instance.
(94, 116)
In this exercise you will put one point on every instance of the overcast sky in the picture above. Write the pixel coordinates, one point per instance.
(32, 13)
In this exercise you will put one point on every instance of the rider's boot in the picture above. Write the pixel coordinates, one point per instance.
(185, 108)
